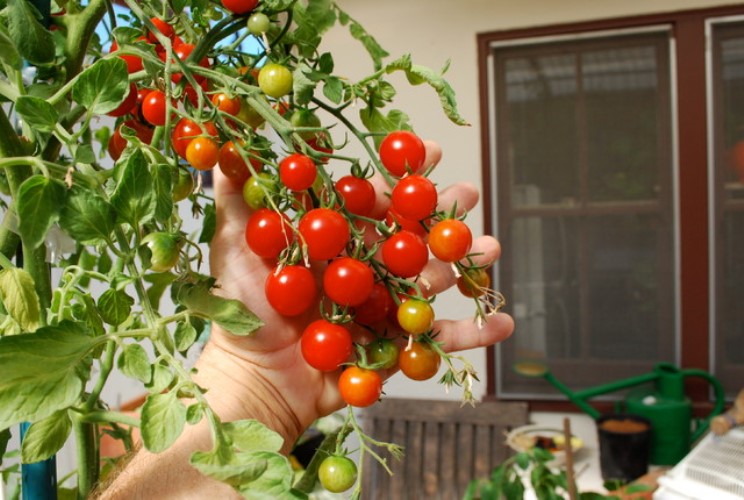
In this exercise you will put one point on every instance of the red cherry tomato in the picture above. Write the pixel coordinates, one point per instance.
(374, 310)
(392, 218)
(240, 6)
(358, 194)
(348, 281)
(415, 316)
(268, 233)
(360, 387)
(405, 254)
(202, 153)
(183, 51)
(163, 27)
(325, 232)
(116, 144)
(402, 152)
(226, 104)
(420, 362)
(450, 240)
(291, 291)
(297, 172)
(233, 165)
(414, 197)
(322, 144)
(186, 130)
(134, 63)
(325, 345)
(153, 107)
(129, 102)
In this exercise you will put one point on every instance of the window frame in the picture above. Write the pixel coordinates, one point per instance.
(693, 204)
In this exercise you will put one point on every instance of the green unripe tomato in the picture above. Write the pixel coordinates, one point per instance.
(337, 474)
(256, 188)
(304, 118)
(164, 250)
(259, 23)
(384, 352)
(183, 185)
(249, 115)
(275, 80)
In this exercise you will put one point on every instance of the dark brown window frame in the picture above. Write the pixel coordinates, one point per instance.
(689, 31)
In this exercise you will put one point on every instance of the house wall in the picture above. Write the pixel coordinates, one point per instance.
(433, 31)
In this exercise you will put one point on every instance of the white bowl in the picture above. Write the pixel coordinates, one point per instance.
(529, 436)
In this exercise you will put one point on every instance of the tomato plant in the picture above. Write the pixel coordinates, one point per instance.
(325, 345)
(419, 361)
(360, 387)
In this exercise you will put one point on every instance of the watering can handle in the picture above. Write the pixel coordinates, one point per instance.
(720, 397)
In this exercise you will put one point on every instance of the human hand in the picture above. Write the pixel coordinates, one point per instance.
(264, 375)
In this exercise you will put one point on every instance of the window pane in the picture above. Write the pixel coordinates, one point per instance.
(584, 172)
(728, 88)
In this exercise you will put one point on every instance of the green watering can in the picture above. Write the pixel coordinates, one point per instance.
(673, 428)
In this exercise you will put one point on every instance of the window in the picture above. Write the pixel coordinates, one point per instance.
(623, 238)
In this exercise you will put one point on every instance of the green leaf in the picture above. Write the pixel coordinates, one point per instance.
(163, 418)
(302, 86)
(134, 363)
(8, 52)
(103, 86)
(163, 176)
(159, 284)
(37, 113)
(87, 217)
(38, 205)
(375, 51)
(276, 480)
(419, 74)
(34, 42)
(522, 459)
(4, 439)
(252, 435)
(333, 89)
(325, 63)
(229, 467)
(377, 122)
(42, 372)
(46, 437)
(184, 336)
(161, 379)
(230, 314)
(115, 306)
(209, 225)
(20, 299)
(194, 413)
(84, 154)
(134, 196)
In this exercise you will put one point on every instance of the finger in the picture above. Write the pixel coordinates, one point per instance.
(438, 276)
(433, 155)
(464, 334)
(463, 194)
(231, 209)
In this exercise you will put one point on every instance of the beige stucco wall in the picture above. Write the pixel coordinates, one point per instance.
(433, 31)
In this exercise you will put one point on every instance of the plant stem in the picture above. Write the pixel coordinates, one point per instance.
(111, 416)
(107, 364)
(86, 445)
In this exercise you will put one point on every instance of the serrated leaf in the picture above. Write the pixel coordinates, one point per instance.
(161, 378)
(134, 363)
(229, 467)
(276, 480)
(159, 284)
(209, 224)
(163, 418)
(115, 306)
(375, 51)
(103, 86)
(42, 372)
(87, 217)
(37, 113)
(163, 176)
(184, 336)
(302, 86)
(18, 294)
(333, 89)
(84, 154)
(252, 435)
(39, 202)
(9, 53)
(134, 197)
(381, 124)
(46, 437)
(230, 314)
(34, 42)
(194, 413)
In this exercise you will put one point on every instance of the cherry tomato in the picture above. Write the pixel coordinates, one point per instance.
(134, 63)
(186, 130)
(325, 232)
(184, 184)
(163, 27)
(268, 233)
(414, 197)
(297, 172)
(420, 362)
(304, 118)
(348, 281)
(474, 282)
(402, 151)
(129, 102)
(337, 473)
(153, 107)
(249, 115)
(116, 144)
(374, 310)
(360, 387)
(191, 94)
(164, 250)
(415, 316)
(405, 254)
(182, 52)
(290, 290)
(392, 218)
(233, 165)
(258, 23)
(358, 194)
(202, 153)
(226, 104)
(450, 240)
(383, 353)
(325, 345)
(275, 80)
(322, 144)
(256, 189)
(240, 6)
